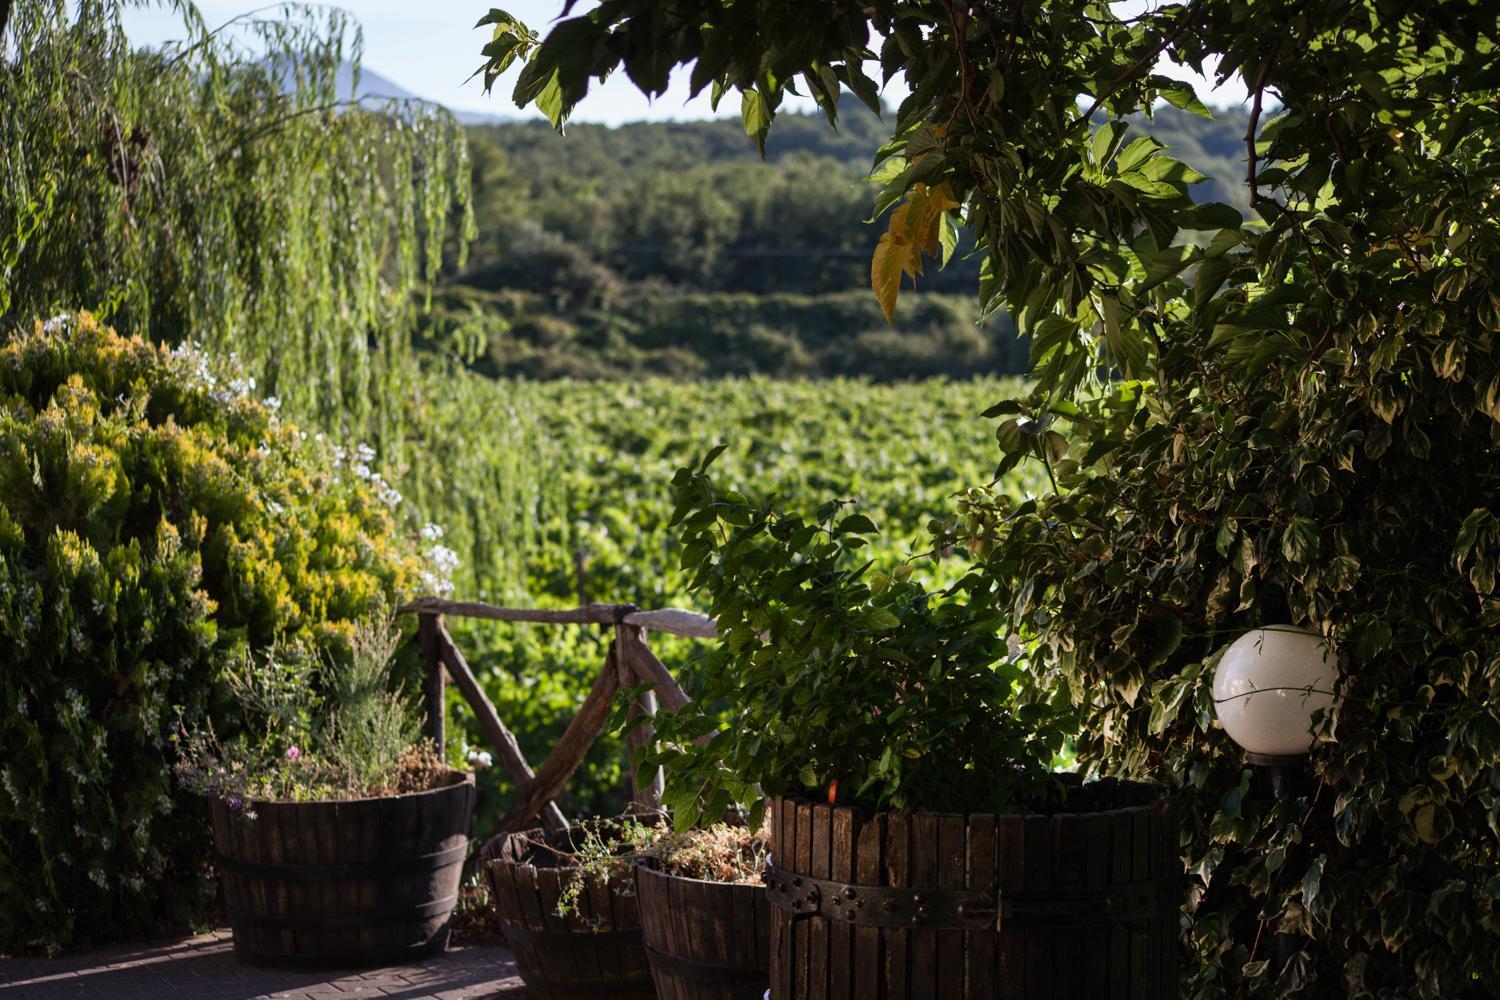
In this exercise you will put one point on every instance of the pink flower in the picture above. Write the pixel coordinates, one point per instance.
(292, 753)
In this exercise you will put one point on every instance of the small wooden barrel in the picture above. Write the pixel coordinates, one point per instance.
(595, 951)
(1071, 906)
(358, 882)
(705, 940)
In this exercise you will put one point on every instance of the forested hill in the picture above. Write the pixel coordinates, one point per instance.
(674, 248)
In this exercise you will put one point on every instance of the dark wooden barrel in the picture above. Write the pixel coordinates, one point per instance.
(704, 940)
(358, 882)
(594, 951)
(1071, 906)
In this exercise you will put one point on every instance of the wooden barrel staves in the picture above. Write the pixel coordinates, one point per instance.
(705, 940)
(593, 951)
(1071, 906)
(358, 882)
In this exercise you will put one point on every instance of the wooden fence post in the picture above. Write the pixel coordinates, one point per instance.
(489, 720)
(645, 794)
(432, 679)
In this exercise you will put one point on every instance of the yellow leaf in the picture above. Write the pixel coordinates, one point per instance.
(914, 229)
(941, 199)
(886, 268)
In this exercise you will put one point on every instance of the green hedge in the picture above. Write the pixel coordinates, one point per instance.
(156, 524)
(604, 331)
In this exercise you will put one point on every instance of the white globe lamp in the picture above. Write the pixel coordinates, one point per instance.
(1269, 685)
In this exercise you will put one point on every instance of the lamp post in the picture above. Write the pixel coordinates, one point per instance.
(1269, 686)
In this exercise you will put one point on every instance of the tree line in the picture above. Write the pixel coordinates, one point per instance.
(674, 247)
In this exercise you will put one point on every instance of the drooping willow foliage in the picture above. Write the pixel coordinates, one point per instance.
(218, 189)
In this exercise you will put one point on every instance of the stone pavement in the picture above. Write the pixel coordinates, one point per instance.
(205, 967)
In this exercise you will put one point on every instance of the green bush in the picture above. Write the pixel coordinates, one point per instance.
(156, 525)
(1353, 491)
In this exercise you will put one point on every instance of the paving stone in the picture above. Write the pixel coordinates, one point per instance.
(203, 967)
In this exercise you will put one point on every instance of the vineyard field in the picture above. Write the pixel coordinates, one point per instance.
(533, 481)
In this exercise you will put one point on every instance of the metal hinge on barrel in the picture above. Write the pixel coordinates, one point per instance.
(958, 909)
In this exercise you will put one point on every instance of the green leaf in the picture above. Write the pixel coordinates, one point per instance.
(1312, 881)
(1210, 276)
(1182, 95)
(710, 456)
(857, 524)
(1010, 437)
(1127, 344)
(1300, 542)
(756, 115)
(1106, 141)
(1213, 215)
(1137, 152)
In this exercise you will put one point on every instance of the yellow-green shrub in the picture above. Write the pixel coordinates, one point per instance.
(157, 523)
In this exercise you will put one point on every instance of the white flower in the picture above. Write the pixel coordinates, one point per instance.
(274, 507)
(437, 578)
(273, 403)
(386, 493)
(432, 532)
(480, 758)
(56, 322)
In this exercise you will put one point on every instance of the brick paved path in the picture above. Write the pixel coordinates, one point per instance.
(205, 967)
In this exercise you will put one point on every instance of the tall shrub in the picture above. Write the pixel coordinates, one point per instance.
(158, 525)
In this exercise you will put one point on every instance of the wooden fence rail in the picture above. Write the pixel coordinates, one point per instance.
(629, 663)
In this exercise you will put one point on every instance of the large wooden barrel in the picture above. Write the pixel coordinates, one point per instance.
(1071, 906)
(594, 951)
(705, 940)
(358, 882)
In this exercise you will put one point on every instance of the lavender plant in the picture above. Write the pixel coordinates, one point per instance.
(321, 726)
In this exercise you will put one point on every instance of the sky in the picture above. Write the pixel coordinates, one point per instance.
(432, 49)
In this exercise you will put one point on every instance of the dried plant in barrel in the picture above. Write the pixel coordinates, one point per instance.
(573, 924)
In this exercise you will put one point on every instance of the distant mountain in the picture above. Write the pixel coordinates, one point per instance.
(371, 85)
(375, 88)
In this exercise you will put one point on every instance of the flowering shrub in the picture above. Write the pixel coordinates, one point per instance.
(158, 525)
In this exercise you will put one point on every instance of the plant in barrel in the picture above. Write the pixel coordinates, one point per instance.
(920, 839)
(341, 835)
(628, 907)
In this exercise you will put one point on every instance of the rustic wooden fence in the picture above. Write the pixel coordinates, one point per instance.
(629, 663)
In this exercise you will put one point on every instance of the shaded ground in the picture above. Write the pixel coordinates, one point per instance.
(204, 968)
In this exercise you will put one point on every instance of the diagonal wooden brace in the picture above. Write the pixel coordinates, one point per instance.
(500, 738)
(569, 751)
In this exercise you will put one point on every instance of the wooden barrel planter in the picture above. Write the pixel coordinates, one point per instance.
(357, 882)
(1070, 906)
(704, 940)
(595, 951)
